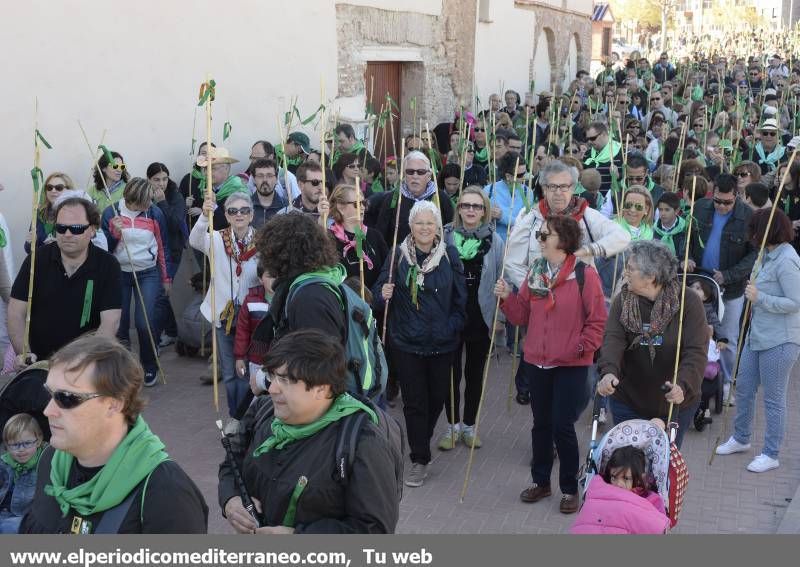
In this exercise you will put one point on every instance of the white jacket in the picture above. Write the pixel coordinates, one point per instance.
(227, 285)
(607, 239)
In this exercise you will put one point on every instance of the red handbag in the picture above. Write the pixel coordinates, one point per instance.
(678, 482)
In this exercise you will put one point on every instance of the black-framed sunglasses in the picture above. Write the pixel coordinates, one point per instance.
(76, 229)
(479, 129)
(592, 138)
(419, 172)
(541, 235)
(723, 202)
(742, 174)
(233, 211)
(67, 400)
(58, 187)
(473, 206)
(315, 182)
(768, 133)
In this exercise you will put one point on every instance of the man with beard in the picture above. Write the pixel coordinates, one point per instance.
(266, 202)
(312, 199)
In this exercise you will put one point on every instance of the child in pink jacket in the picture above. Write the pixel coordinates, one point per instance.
(619, 502)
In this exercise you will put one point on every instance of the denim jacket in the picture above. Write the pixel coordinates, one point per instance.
(23, 488)
(776, 310)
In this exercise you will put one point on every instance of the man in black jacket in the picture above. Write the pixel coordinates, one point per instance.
(417, 186)
(105, 472)
(287, 450)
(727, 254)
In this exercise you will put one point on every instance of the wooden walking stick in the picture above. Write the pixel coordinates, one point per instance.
(322, 126)
(38, 195)
(129, 255)
(672, 429)
(748, 303)
(489, 353)
(207, 95)
(360, 241)
(398, 204)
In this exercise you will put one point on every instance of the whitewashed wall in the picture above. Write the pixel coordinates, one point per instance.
(134, 69)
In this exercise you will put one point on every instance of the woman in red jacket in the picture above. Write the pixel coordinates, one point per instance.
(562, 304)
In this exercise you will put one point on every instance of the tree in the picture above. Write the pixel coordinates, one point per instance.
(645, 13)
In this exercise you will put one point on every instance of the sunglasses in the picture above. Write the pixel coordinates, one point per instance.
(473, 206)
(419, 172)
(654, 99)
(742, 174)
(768, 133)
(638, 206)
(76, 229)
(479, 129)
(23, 445)
(233, 211)
(60, 187)
(120, 166)
(352, 166)
(724, 202)
(69, 400)
(592, 138)
(314, 182)
(541, 235)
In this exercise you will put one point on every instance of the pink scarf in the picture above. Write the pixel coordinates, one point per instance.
(340, 234)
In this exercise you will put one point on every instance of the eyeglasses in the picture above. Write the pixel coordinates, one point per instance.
(697, 126)
(60, 187)
(742, 174)
(473, 206)
(419, 172)
(592, 138)
(754, 74)
(638, 206)
(561, 188)
(69, 400)
(120, 166)
(541, 235)
(479, 129)
(724, 202)
(233, 211)
(768, 133)
(23, 445)
(655, 99)
(352, 166)
(76, 229)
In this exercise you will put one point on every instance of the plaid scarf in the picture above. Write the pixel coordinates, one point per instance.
(541, 283)
(664, 309)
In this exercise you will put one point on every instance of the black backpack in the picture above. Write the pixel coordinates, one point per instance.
(347, 438)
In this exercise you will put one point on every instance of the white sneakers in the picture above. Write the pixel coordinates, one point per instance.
(763, 463)
(732, 446)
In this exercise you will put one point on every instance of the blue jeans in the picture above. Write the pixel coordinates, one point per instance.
(558, 397)
(622, 412)
(236, 387)
(150, 284)
(9, 523)
(164, 314)
(770, 368)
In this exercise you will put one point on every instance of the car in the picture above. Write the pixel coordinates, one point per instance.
(621, 50)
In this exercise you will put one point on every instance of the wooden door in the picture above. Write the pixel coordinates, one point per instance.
(382, 78)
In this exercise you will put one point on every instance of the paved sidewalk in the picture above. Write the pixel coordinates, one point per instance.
(722, 498)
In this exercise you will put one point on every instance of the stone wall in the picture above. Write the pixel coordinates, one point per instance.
(443, 71)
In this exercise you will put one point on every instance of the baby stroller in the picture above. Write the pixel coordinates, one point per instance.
(667, 472)
(25, 393)
(713, 382)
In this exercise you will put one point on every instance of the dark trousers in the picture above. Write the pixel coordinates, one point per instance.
(425, 385)
(165, 317)
(476, 352)
(558, 397)
(623, 412)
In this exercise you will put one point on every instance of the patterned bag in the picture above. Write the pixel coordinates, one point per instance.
(678, 482)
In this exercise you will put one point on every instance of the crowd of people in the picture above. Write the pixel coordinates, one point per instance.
(559, 229)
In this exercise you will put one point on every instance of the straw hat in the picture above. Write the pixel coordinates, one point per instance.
(217, 155)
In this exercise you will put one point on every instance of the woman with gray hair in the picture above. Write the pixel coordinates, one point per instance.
(428, 299)
(637, 358)
(418, 185)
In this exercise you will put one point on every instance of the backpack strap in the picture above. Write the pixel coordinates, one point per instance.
(580, 276)
(112, 518)
(588, 230)
(346, 442)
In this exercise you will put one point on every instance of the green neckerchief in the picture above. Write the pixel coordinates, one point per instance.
(377, 186)
(481, 156)
(697, 93)
(98, 194)
(467, 247)
(233, 184)
(331, 277)
(357, 147)
(666, 235)
(22, 468)
(284, 434)
(606, 155)
(131, 462)
(201, 178)
(645, 230)
(290, 161)
(3, 239)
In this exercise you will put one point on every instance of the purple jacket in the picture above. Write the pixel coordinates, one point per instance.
(608, 509)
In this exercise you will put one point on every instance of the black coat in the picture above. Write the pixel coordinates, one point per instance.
(366, 504)
(174, 209)
(736, 255)
(435, 326)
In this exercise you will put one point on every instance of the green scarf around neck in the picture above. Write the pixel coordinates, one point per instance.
(666, 236)
(645, 230)
(139, 453)
(284, 434)
(3, 239)
(233, 184)
(22, 468)
(605, 156)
